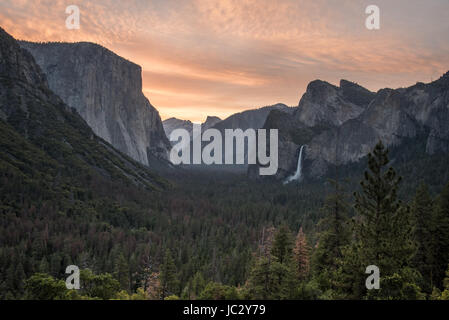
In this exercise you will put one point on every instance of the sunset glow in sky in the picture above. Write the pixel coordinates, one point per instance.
(204, 57)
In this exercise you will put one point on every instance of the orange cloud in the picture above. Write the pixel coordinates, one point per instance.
(204, 57)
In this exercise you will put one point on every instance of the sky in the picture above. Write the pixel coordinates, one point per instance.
(202, 57)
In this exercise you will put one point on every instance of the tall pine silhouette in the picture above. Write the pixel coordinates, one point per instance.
(334, 237)
(384, 231)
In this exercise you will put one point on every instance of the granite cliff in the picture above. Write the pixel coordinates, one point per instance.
(106, 90)
(340, 125)
(45, 143)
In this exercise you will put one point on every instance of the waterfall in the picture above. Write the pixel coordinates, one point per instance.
(297, 174)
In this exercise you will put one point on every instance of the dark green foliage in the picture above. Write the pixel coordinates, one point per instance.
(102, 286)
(441, 236)
(282, 245)
(68, 197)
(218, 291)
(424, 216)
(445, 293)
(169, 281)
(274, 276)
(122, 273)
(270, 279)
(44, 287)
(261, 279)
(334, 237)
(214, 244)
(383, 227)
(398, 287)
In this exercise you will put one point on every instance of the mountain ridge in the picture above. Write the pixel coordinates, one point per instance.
(392, 115)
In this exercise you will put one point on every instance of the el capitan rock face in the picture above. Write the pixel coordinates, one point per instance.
(44, 138)
(106, 90)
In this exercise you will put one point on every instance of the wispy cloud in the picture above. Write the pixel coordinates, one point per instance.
(204, 57)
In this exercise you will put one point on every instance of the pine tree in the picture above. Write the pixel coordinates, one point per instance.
(153, 286)
(424, 220)
(270, 279)
(43, 265)
(301, 253)
(384, 231)
(273, 277)
(260, 279)
(284, 280)
(122, 272)
(198, 284)
(19, 277)
(282, 245)
(334, 237)
(266, 242)
(169, 281)
(441, 232)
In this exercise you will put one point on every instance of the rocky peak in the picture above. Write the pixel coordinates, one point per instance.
(355, 93)
(319, 91)
(175, 123)
(210, 122)
(325, 104)
(394, 116)
(354, 118)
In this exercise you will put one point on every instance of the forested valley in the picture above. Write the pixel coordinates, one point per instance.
(222, 236)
